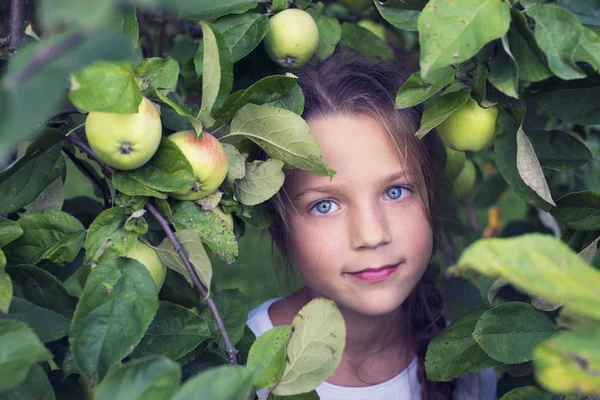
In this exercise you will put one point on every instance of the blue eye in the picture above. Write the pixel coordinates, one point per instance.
(323, 207)
(395, 192)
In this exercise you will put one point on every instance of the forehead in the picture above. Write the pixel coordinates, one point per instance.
(357, 147)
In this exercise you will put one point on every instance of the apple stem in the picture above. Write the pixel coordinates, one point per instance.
(231, 351)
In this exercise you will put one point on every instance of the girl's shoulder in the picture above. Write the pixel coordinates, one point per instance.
(258, 319)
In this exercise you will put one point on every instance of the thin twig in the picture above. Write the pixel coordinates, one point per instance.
(43, 57)
(231, 351)
(92, 174)
(17, 25)
(62, 113)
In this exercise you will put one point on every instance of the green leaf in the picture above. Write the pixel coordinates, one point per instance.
(131, 187)
(364, 41)
(292, 101)
(192, 245)
(22, 107)
(236, 166)
(267, 90)
(107, 236)
(454, 352)
(315, 348)
(539, 265)
(573, 101)
(167, 171)
(225, 382)
(184, 49)
(416, 90)
(557, 32)
(588, 49)
(585, 10)
(453, 32)
(206, 9)
(396, 13)
(559, 150)
(209, 226)
(6, 289)
(242, 33)
(116, 308)
(150, 378)
(175, 102)
(509, 332)
(437, 110)
(35, 386)
(86, 15)
(267, 356)
(20, 185)
(529, 57)
(504, 71)
(283, 135)
(489, 191)
(527, 392)
(568, 362)
(579, 210)
(529, 168)
(217, 73)
(262, 180)
(330, 33)
(51, 198)
(174, 332)
(233, 308)
(506, 149)
(47, 235)
(159, 73)
(9, 231)
(106, 86)
(20, 349)
(41, 301)
(131, 27)
(312, 395)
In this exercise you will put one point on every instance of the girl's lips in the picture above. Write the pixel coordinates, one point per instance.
(374, 275)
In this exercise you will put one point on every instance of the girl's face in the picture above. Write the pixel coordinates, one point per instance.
(369, 216)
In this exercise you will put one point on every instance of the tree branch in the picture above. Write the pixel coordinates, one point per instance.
(62, 113)
(17, 25)
(91, 174)
(231, 351)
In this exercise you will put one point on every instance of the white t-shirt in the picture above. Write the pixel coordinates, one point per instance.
(479, 385)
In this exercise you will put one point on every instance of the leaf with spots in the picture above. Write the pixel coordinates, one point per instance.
(210, 227)
(569, 362)
(267, 356)
(262, 180)
(539, 265)
(454, 352)
(509, 332)
(315, 348)
(451, 32)
(107, 236)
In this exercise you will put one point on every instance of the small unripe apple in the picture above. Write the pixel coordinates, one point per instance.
(464, 182)
(455, 161)
(292, 38)
(148, 257)
(208, 160)
(374, 27)
(125, 141)
(470, 128)
(357, 6)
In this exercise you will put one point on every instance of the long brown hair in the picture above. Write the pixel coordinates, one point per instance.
(348, 83)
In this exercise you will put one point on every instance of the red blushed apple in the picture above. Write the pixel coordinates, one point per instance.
(208, 160)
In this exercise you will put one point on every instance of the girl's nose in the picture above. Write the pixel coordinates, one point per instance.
(369, 227)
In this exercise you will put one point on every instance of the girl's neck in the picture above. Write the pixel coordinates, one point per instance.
(375, 348)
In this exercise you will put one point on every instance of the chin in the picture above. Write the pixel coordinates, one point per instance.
(375, 305)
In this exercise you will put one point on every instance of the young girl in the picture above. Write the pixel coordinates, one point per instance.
(366, 239)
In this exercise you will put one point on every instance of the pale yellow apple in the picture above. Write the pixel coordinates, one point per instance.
(455, 161)
(292, 38)
(470, 128)
(125, 141)
(208, 160)
(374, 27)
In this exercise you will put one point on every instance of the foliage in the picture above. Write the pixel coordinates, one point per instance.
(527, 306)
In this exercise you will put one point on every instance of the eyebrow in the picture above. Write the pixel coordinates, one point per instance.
(331, 188)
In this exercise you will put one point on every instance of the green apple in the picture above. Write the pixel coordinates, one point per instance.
(464, 182)
(292, 38)
(374, 27)
(148, 257)
(470, 128)
(208, 160)
(357, 6)
(125, 141)
(455, 161)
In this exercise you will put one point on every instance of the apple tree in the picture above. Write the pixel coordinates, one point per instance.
(129, 136)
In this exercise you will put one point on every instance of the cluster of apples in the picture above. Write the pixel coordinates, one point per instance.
(128, 141)
(470, 128)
